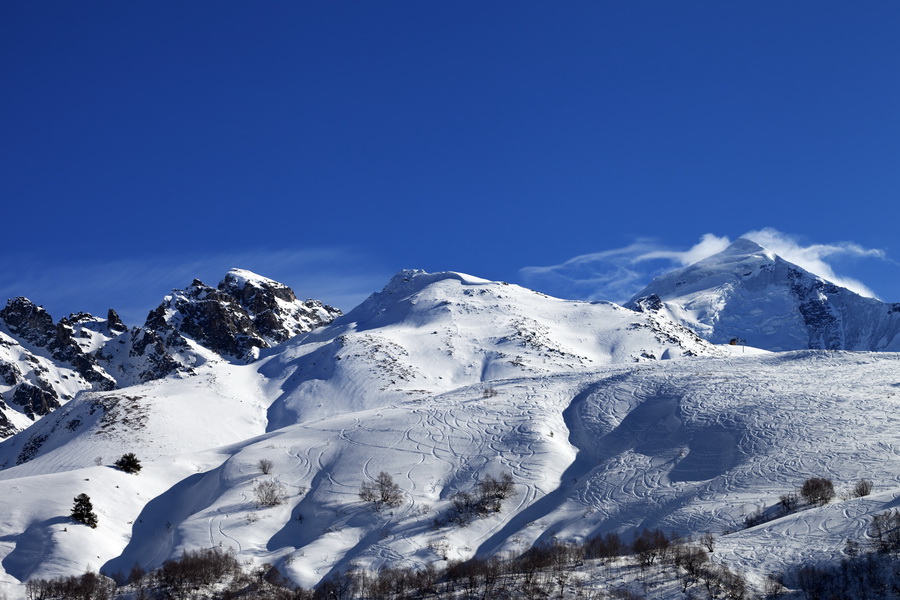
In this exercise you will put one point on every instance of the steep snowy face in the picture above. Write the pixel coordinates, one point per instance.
(426, 333)
(748, 293)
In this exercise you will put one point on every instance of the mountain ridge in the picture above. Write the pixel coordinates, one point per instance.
(609, 419)
(47, 363)
(751, 294)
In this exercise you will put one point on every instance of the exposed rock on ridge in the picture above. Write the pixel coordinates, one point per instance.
(45, 364)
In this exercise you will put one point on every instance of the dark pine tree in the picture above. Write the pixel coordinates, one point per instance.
(83, 511)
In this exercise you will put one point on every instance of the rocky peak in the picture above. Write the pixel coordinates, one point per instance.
(244, 313)
(748, 292)
(273, 307)
(32, 323)
(28, 321)
(114, 323)
(212, 318)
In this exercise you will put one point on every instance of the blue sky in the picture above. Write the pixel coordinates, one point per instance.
(330, 144)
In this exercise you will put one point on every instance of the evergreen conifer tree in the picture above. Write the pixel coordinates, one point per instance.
(83, 511)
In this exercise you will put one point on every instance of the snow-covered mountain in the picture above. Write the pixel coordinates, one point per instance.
(608, 419)
(748, 293)
(427, 333)
(231, 322)
(44, 364)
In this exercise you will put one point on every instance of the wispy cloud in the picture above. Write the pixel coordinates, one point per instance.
(814, 257)
(135, 285)
(618, 274)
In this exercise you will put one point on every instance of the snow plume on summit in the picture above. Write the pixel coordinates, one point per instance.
(747, 292)
(618, 274)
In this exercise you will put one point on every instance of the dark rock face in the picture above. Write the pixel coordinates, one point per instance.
(34, 324)
(9, 373)
(34, 400)
(273, 307)
(148, 344)
(6, 426)
(211, 317)
(814, 303)
(114, 323)
(244, 313)
(28, 321)
(648, 303)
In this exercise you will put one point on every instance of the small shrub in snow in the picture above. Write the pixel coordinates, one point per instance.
(486, 500)
(862, 488)
(129, 463)
(265, 466)
(382, 492)
(885, 531)
(789, 501)
(708, 540)
(83, 511)
(269, 493)
(817, 490)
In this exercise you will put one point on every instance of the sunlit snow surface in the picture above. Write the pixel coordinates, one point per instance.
(595, 441)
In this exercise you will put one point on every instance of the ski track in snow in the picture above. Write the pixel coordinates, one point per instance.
(690, 447)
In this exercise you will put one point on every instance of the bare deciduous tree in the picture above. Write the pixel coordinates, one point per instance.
(862, 488)
(382, 492)
(269, 493)
(817, 490)
(265, 466)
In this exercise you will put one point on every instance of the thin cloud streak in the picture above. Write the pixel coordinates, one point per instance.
(620, 273)
(814, 258)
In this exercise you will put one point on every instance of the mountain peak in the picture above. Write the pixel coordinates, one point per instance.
(743, 246)
(239, 278)
(749, 292)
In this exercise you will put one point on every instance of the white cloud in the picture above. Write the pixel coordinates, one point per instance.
(708, 245)
(814, 257)
(619, 273)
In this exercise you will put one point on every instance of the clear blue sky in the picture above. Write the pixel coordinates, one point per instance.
(330, 144)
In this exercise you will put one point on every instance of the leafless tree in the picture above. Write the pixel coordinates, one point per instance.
(862, 488)
(269, 493)
(817, 490)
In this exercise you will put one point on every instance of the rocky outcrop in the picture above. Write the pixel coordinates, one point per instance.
(114, 324)
(243, 314)
(43, 364)
(274, 309)
(33, 324)
(35, 401)
(28, 321)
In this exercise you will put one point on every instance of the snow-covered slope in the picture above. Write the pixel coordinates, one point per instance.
(688, 446)
(440, 380)
(427, 333)
(748, 293)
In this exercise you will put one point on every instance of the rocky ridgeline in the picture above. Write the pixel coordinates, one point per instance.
(43, 363)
